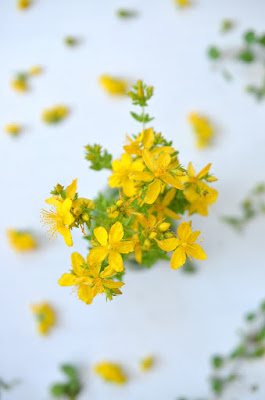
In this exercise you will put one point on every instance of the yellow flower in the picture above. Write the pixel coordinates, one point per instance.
(110, 372)
(13, 129)
(35, 70)
(111, 245)
(184, 246)
(161, 172)
(59, 219)
(23, 4)
(89, 279)
(147, 363)
(20, 85)
(161, 206)
(203, 129)
(121, 170)
(182, 3)
(198, 193)
(113, 85)
(55, 114)
(21, 241)
(145, 139)
(45, 316)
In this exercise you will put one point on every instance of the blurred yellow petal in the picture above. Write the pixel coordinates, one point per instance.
(141, 176)
(153, 191)
(85, 294)
(171, 214)
(112, 284)
(149, 160)
(54, 201)
(98, 254)
(204, 171)
(116, 233)
(108, 272)
(178, 258)
(190, 170)
(67, 280)
(71, 190)
(127, 246)
(172, 180)
(184, 231)
(77, 260)
(101, 235)
(168, 244)
(163, 160)
(196, 251)
(65, 232)
(148, 138)
(169, 197)
(115, 261)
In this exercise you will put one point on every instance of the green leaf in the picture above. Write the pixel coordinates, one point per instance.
(246, 56)
(217, 362)
(98, 158)
(250, 37)
(125, 13)
(69, 370)
(214, 53)
(58, 390)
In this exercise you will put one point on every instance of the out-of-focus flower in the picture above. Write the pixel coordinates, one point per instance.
(13, 129)
(110, 372)
(45, 316)
(23, 4)
(113, 86)
(55, 114)
(70, 41)
(20, 83)
(35, 70)
(203, 129)
(21, 240)
(147, 363)
(182, 3)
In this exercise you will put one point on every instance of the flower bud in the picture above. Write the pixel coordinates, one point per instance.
(164, 227)
(59, 188)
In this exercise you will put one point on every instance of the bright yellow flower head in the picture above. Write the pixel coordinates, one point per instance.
(162, 172)
(35, 70)
(55, 114)
(89, 279)
(182, 3)
(13, 129)
(144, 140)
(203, 129)
(162, 203)
(183, 246)
(147, 363)
(45, 316)
(23, 4)
(121, 170)
(197, 192)
(111, 245)
(113, 86)
(21, 241)
(110, 372)
(20, 85)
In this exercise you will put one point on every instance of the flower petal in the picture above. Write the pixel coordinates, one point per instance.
(67, 280)
(169, 196)
(127, 246)
(101, 235)
(66, 206)
(108, 272)
(204, 171)
(190, 170)
(71, 190)
(116, 261)
(153, 191)
(116, 233)
(65, 232)
(148, 138)
(141, 176)
(85, 294)
(54, 200)
(193, 236)
(196, 251)
(184, 231)
(112, 284)
(171, 214)
(178, 258)
(163, 160)
(97, 255)
(168, 244)
(149, 160)
(77, 260)
(172, 180)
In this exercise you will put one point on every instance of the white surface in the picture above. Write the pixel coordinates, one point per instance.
(182, 320)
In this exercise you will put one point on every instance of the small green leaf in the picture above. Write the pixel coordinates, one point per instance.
(246, 56)
(250, 37)
(217, 362)
(214, 53)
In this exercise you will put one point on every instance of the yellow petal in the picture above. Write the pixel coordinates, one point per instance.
(77, 260)
(68, 219)
(190, 170)
(193, 236)
(94, 269)
(173, 181)
(101, 235)
(108, 272)
(124, 247)
(115, 261)
(128, 187)
(65, 232)
(196, 251)
(149, 160)
(171, 214)
(85, 294)
(168, 244)
(112, 284)
(65, 207)
(169, 196)
(67, 280)
(163, 160)
(54, 201)
(178, 258)
(97, 255)
(153, 191)
(138, 254)
(141, 176)
(184, 231)
(71, 190)
(116, 233)
(204, 171)
(148, 138)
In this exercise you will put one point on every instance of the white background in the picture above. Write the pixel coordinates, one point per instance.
(180, 319)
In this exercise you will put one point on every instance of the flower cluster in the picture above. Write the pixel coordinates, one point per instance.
(203, 129)
(45, 317)
(20, 82)
(135, 219)
(113, 86)
(55, 114)
(21, 241)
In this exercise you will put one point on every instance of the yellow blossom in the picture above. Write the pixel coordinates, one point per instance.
(183, 246)
(23, 4)
(55, 114)
(197, 192)
(111, 245)
(13, 129)
(203, 129)
(20, 85)
(162, 171)
(121, 170)
(147, 363)
(89, 280)
(35, 70)
(113, 86)
(45, 316)
(110, 372)
(161, 206)
(145, 139)
(20, 240)
(182, 3)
